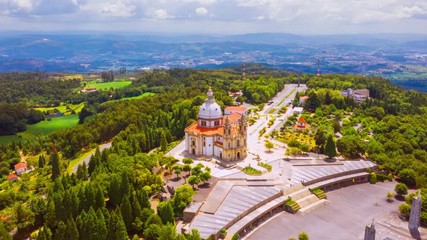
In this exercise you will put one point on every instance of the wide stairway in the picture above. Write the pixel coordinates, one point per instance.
(307, 201)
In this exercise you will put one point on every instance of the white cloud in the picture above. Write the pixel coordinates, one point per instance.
(201, 11)
(161, 14)
(118, 9)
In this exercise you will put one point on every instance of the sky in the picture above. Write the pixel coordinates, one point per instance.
(216, 16)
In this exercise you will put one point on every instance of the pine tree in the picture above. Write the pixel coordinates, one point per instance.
(143, 199)
(71, 231)
(82, 172)
(42, 161)
(125, 185)
(56, 169)
(90, 196)
(99, 198)
(163, 142)
(60, 231)
(44, 234)
(165, 212)
(126, 211)
(330, 149)
(114, 191)
(100, 226)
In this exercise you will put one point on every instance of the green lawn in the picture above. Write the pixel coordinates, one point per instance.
(147, 94)
(43, 128)
(56, 124)
(108, 85)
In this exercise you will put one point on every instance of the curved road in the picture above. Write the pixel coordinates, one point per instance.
(86, 159)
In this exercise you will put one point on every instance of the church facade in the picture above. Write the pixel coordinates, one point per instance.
(215, 135)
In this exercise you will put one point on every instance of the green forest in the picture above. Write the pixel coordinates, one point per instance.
(109, 198)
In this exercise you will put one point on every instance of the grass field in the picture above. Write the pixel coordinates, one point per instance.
(43, 128)
(108, 85)
(77, 108)
(56, 124)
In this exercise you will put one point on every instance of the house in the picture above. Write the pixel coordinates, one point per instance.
(12, 177)
(20, 168)
(298, 110)
(358, 95)
(235, 109)
(301, 124)
(234, 95)
(302, 99)
(88, 90)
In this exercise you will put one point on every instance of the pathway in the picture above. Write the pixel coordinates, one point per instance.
(87, 159)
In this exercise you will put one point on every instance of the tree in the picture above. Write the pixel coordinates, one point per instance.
(23, 216)
(330, 149)
(205, 176)
(163, 142)
(407, 176)
(193, 180)
(401, 189)
(71, 231)
(303, 236)
(312, 102)
(54, 161)
(235, 237)
(269, 145)
(126, 211)
(187, 160)
(177, 169)
(183, 196)
(4, 233)
(42, 161)
(165, 212)
(82, 172)
(337, 126)
(114, 191)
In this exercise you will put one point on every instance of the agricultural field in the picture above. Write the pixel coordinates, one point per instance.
(43, 128)
(108, 85)
(63, 108)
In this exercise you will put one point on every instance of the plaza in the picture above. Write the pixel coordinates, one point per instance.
(239, 202)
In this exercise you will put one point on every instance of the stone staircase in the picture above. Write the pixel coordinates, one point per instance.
(307, 201)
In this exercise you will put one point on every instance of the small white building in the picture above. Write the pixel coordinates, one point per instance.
(20, 168)
(297, 110)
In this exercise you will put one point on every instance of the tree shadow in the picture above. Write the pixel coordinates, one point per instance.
(204, 185)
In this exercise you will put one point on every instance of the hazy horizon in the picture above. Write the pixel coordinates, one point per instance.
(314, 17)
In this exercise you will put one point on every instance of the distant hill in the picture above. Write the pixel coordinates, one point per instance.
(382, 55)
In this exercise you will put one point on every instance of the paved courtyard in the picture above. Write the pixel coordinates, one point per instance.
(346, 216)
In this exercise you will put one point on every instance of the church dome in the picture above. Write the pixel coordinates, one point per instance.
(210, 109)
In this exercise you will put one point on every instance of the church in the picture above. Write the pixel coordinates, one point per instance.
(215, 135)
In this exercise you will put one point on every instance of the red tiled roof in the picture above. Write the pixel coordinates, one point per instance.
(232, 118)
(20, 165)
(235, 108)
(12, 176)
(301, 120)
(303, 98)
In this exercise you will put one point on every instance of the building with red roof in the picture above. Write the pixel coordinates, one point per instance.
(301, 124)
(215, 135)
(235, 109)
(12, 177)
(20, 168)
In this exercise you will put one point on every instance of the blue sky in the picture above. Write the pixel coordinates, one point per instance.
(216, 16)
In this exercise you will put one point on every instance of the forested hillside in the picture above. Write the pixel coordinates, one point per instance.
(109, 198)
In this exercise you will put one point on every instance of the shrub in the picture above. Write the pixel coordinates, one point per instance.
(251, 171)
(373, 178)
(405, 210)
(266, 166)
(401, 189)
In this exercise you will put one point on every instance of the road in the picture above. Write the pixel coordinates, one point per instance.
(87, 159)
